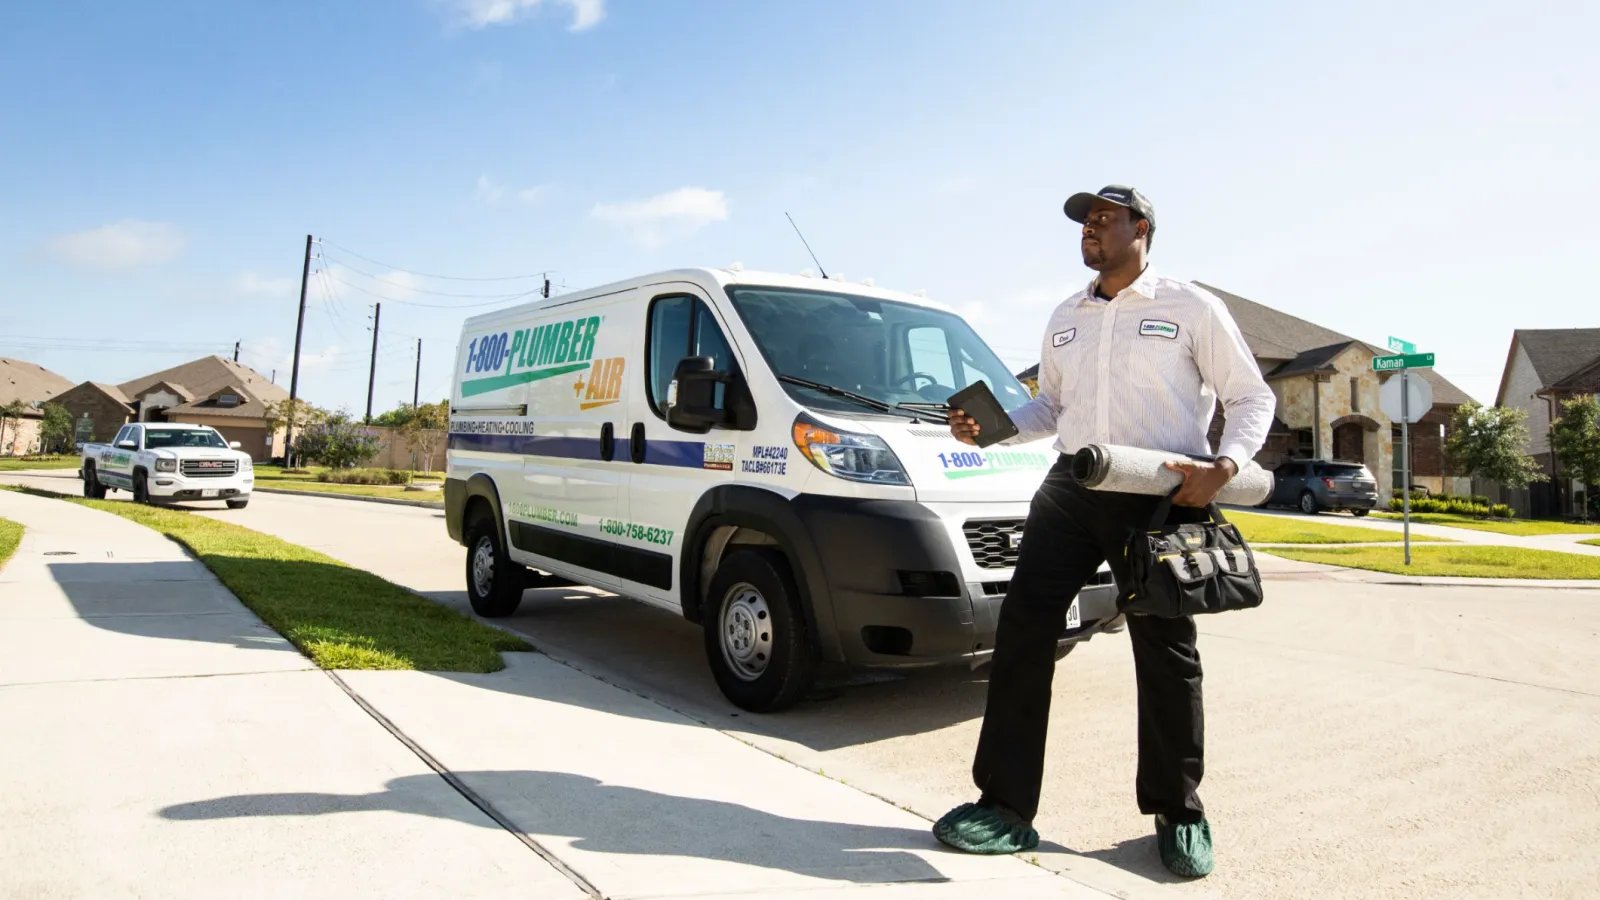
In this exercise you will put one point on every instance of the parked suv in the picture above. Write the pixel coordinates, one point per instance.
(1313, 485)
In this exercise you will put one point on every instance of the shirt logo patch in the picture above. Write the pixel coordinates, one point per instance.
(1158, 328)
(1063, 338)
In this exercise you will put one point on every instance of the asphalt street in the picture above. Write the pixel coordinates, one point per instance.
(1363, 740)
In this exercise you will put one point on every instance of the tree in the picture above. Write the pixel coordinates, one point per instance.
(57, 428)
(280, 414)
(425, 429)
(338, 443)
(1491, 442)
(1575, 438)
(11, 412)
(399, 417)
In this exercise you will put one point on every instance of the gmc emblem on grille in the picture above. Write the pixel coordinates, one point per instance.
(208, 464)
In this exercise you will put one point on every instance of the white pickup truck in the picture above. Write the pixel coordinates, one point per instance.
(166, 462)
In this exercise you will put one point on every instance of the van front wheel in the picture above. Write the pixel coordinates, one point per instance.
(760, 651)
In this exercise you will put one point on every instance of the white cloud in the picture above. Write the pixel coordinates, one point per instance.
(674, 214)
(314, 361)
(482, 13)
(251, 283)
(489, 191)
(533, 194)
(121, 245)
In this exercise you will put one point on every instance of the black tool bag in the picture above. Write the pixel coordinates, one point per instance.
(1187, 570)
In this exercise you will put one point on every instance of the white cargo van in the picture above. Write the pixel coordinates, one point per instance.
(764, 454)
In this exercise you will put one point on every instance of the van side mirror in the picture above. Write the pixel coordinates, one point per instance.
(692, 397)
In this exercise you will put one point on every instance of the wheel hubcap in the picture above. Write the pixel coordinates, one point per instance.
(483, 567)
(746, 632)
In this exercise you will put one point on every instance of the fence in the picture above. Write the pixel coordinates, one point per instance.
(397, 455)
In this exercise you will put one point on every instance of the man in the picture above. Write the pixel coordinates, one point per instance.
(1140, 360)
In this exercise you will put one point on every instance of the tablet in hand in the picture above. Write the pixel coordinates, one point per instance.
(978, 402)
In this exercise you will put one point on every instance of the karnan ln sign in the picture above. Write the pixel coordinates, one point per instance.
(1402, 361)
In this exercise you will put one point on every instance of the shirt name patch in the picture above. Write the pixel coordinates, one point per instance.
(1063, 338)
(1158, 328)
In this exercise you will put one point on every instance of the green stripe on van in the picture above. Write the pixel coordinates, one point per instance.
(498, 382)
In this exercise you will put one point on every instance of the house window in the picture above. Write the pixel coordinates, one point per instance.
(1355, 396)
(1302, 443)
(227, 399)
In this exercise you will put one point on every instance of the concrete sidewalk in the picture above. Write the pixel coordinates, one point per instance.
(179, 748)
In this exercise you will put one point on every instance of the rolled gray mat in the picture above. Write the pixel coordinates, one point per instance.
(1131, 470)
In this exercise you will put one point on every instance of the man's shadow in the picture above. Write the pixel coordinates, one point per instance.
(614, 819)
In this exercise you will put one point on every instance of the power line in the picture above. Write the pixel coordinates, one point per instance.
(380, 279)
(425, 274)
(385, 297)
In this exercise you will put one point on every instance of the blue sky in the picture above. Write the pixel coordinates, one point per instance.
(1418, 169)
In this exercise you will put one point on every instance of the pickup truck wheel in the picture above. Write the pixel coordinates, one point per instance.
(755, 633)
(141, 488)
(92, 488)
(239, 504)
(494, 581)
(1358, 513)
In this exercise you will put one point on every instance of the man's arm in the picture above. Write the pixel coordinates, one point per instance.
(1034, 419)
(1226, 363)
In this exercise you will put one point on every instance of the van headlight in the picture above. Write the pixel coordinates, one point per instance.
(166, 465)
(844, 454)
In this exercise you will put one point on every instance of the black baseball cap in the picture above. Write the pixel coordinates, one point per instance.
(1077, 206)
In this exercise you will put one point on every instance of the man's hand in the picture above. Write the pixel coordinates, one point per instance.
(1202, 480)
(963, 427)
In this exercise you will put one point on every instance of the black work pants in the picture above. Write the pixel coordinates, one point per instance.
(1070, 531)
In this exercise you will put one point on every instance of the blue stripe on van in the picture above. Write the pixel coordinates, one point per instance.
(684, 454)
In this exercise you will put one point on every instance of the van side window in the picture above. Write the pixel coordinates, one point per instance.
(681, 325)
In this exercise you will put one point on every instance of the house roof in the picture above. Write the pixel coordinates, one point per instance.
(1584, 381)
(183, 393)
(1318, 360)
(1558, 352)
(29, 382)
(204, 378)
(1273, 334)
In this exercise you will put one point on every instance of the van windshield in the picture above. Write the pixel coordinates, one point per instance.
(158, 438)
(890, 352)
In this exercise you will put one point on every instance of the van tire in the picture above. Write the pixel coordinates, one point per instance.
(92, 488)
(757, 643)
(494, 581)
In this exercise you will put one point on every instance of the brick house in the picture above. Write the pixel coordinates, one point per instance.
(212, 390)
(1328, 401)
(33, 385)
(1543, 368)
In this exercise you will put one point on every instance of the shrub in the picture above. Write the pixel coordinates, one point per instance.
(1502, 511)
(364, 476)
(338, 444)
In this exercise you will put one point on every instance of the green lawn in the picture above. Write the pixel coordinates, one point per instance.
(1593, 543)
(277, 473)
(1463, 561)
(1498, 526)
(1259, 529)
(18, 463)
(10, 537)
(341, 617)
(396, 491)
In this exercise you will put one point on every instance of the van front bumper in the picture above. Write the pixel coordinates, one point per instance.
(894, 583)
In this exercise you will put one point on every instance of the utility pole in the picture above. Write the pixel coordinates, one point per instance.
(417, 381)
(235, 351)
(294, 377)
(372, 373)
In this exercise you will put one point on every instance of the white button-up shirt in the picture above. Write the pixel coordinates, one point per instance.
(1145, 369)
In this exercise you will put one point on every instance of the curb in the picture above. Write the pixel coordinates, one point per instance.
(425, 504)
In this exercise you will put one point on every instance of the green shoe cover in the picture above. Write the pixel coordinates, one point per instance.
(984, 829)
(1185, 849)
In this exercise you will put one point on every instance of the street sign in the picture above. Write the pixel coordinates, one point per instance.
(1417, 399)
(1403, 361)
(1400, 346)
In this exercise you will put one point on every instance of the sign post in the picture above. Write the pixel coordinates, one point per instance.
(1406, 400)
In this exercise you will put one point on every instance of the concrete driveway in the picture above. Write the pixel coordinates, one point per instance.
(1364, 740)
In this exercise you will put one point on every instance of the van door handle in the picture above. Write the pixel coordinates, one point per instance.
(608, 446)
(636, 443)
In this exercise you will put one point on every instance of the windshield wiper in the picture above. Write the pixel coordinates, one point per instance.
(941, 410)
(862, 399)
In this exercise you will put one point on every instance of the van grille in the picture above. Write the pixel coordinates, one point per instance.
(992, 543)
(209, 468)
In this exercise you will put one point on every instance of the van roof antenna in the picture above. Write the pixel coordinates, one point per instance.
(808, 246)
